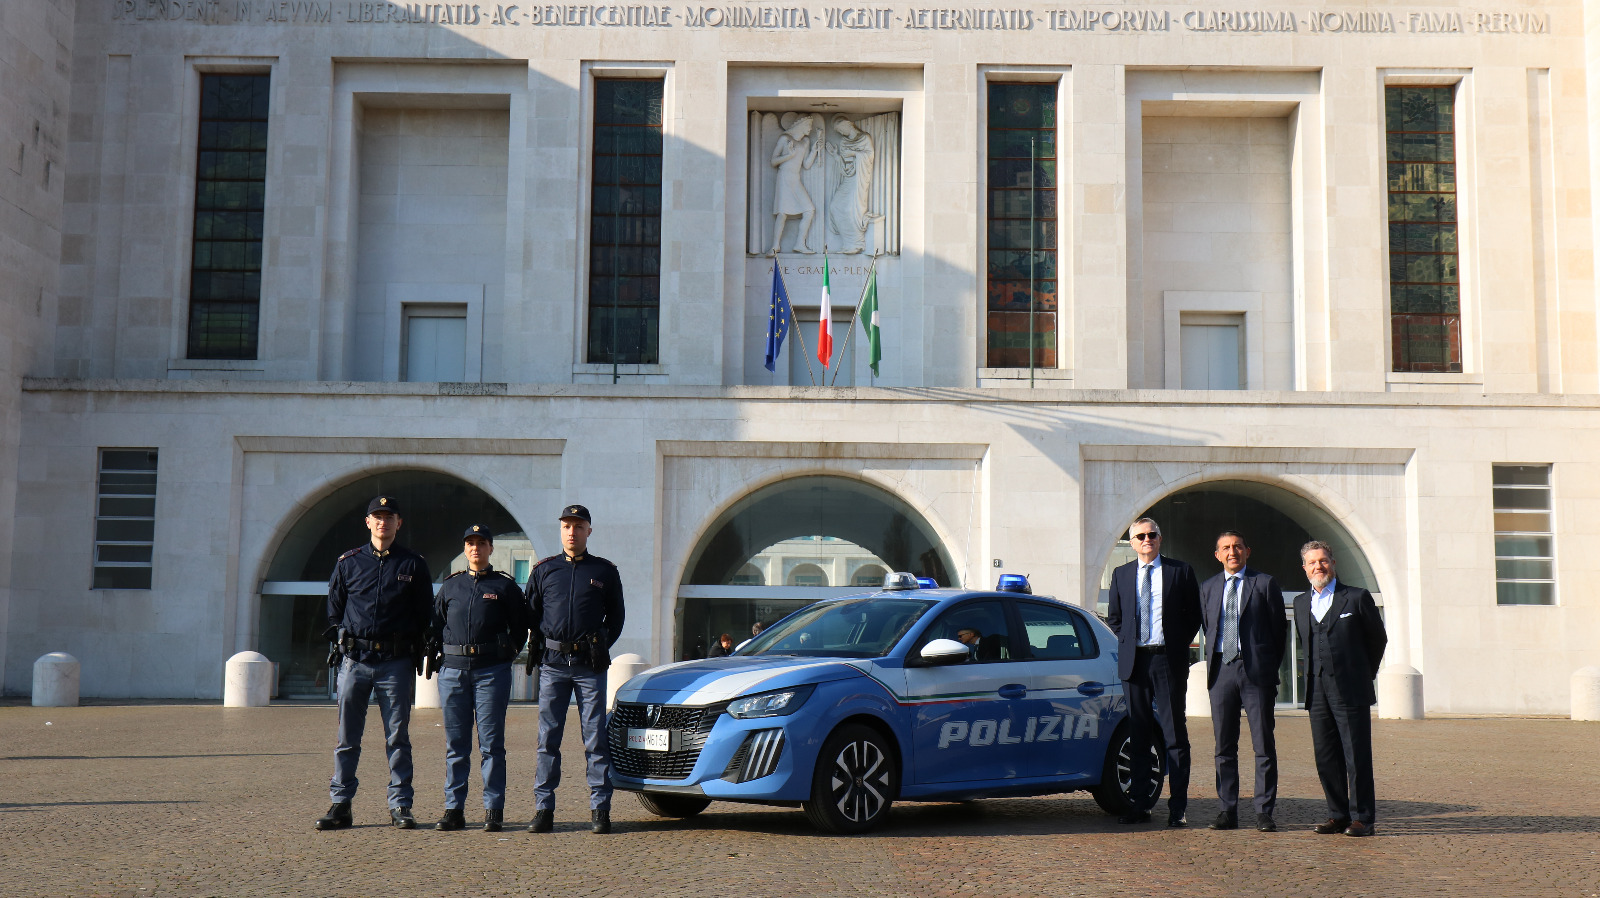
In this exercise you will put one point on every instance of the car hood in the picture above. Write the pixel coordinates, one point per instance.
(720, 679)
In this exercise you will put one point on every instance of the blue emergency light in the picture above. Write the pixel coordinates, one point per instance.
(927, 583)
(1014, 583)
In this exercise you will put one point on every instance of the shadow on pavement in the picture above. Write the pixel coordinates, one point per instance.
(254, 754)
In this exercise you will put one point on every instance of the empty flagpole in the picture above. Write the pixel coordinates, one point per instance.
(1032, 192)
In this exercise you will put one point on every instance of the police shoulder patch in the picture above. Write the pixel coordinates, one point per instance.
(549, 558)
(455, 575)
(354, 551)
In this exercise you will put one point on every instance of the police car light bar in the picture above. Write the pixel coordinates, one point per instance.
(927, 583)
(900, 580)
(1014, 583)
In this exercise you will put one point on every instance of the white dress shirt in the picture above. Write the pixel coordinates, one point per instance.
(1156, 633)
(1322, 599)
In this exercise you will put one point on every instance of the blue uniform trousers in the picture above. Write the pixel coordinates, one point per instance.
(479, 695)
(557, 682)
(395, 684)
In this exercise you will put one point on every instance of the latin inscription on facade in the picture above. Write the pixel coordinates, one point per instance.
(1079, 19)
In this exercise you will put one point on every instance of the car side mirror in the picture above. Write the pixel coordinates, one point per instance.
(945, 651)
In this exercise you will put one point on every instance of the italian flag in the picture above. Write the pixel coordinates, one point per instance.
(825, 323)
(869, 319)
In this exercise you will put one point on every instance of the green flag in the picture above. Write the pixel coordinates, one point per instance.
(869, 320)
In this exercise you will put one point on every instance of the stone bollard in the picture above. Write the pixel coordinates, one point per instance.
(1197, 700)
(1399, 692)
(623, 669)
(1585, 694)
(247, 681)
(427, 692)
(55, 681)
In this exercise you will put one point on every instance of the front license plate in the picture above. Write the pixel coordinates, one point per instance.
(649, 740)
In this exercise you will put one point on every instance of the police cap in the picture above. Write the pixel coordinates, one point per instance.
(576, 511)
(477, 530)
(383, 503)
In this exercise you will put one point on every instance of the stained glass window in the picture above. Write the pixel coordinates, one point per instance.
(1021, 268)
(1424, 278)
(625, 223)
(230, 191)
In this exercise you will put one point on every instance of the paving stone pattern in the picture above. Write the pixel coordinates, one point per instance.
(196, 800)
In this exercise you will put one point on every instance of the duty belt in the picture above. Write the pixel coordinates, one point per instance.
(565, 648)
(391, 645)
(481, 648)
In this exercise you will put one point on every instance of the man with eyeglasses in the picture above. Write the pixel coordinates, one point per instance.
(1155, 611)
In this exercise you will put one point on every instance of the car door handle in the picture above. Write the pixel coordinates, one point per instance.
(1013, 690)
(1090, 687)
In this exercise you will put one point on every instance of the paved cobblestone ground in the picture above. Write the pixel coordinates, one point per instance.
(156, 800)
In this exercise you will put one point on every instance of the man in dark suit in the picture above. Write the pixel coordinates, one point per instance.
(1245, 634)
(1344, 641)
(1155, 611)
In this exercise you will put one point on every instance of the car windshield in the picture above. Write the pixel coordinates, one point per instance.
(853, 628)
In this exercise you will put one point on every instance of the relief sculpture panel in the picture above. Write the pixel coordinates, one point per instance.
(824, 183)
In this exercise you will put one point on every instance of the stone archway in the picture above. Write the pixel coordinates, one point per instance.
(435, 508)
(807, 536)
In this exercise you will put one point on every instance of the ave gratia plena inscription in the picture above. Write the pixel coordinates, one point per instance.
(1118, 20)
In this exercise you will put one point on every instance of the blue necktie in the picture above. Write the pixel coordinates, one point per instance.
(1230, 621)
(1146, 607)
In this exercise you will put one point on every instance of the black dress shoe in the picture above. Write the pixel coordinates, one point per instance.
(543, 821)
(1177, 821)
(1359, 829)
(1265, 824)
(453, 819)
(338, 817)
(493, 820)
(401, 818)
(600, 821)
(1134, 817)
(1331, 827)
(1225, 820)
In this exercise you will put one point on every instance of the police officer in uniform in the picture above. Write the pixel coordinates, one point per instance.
(575, 601)
(379, 602)
(480, 621)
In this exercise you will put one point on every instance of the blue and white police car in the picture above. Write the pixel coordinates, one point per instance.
(908, 694)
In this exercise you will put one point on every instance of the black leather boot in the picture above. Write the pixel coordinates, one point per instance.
(600, 821)
(453, 819)
(338, 817)
(543, 822)
(401, 818)
(493, 820)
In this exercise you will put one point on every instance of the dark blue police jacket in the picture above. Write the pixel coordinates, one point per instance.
(484, 610)
(572, 598)
(380, 597)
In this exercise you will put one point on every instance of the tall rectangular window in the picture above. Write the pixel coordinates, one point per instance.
(229, 195)
(1524, 536)
(625, 222)
(1022, 225)
(125, 519)
(1424, 279)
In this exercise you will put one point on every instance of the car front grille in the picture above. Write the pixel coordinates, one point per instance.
(756, 758)
(690, 726)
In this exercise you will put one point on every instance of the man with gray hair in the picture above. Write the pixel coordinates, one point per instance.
(1344, 640)
(1155, 611)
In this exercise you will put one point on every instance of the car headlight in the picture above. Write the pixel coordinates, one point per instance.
(770, 704)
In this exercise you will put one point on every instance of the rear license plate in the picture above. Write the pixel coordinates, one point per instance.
(649, 740)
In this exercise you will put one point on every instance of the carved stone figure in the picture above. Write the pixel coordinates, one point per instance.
(794, 154)
(839, 176)
(849, 209)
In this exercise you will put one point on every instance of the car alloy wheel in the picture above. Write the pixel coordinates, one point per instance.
(855, 781)
(1116, 778)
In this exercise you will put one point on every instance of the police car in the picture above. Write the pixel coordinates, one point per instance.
(909, 694)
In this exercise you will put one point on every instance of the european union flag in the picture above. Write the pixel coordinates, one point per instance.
(777, 319)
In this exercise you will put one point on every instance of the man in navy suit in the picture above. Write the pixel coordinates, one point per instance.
(1155, 611)
(1344, 640)
(1245, 634)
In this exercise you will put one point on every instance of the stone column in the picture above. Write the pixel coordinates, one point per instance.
(623, 668)
(1399, 692)
(427, 692)
(247, 681)
(1198, 698)
(55, 681)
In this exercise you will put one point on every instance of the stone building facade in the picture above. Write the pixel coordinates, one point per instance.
(1301, 270)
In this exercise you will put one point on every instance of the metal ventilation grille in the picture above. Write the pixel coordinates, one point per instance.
(690, 727)
(756, 758)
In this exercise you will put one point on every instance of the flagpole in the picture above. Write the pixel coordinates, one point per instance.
(855, 318)
(1033, 189)
(795, 325)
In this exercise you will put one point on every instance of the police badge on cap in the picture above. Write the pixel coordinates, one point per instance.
(576, 511)
(477, 530)
(383, 504)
